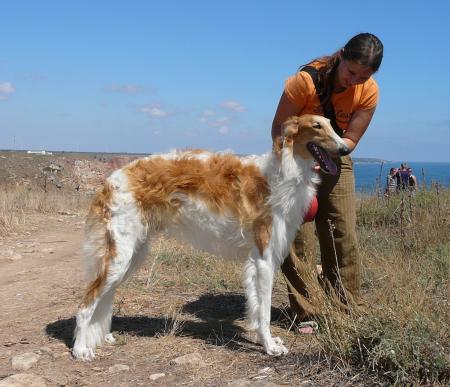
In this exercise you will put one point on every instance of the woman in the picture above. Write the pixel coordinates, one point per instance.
(392, 182)
(339, 87)
(412, 180)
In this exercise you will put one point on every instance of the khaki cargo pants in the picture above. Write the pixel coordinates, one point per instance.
(340, 259)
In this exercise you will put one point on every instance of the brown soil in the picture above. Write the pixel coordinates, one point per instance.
(40, 293)
(61, 171)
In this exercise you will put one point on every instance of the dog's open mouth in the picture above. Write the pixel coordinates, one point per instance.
(322, 157)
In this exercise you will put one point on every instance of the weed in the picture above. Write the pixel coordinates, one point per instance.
(401, 337)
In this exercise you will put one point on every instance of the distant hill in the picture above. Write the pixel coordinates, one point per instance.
(368, 160)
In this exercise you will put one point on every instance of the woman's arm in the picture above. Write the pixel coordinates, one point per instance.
(355, 130)
(415, 182)
(357, 127)
(286, 108)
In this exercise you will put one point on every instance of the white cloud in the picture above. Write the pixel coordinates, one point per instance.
(6, 88)
(224, 129)
(206, 116)
(128, 89)
(221, 120)
(233, 106)
(153, 111)
(221, 123)
(208, 113)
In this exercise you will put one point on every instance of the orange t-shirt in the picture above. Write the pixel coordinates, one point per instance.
(300, 89)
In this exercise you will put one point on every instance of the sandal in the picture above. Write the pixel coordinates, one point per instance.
(308, 327)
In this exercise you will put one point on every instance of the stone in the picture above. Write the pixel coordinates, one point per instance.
(45, 350)
(61, 355)
(189, 359)
(23, 380)
(118, 368)
(157, 376)
(15, 257)
(251, 383)
(6, 253)
(24, 361)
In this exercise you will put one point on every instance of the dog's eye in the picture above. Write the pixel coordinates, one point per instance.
(316, 125)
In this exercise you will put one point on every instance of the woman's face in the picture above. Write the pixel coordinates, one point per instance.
(350, 73)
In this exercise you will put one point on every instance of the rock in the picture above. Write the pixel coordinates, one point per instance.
(15, 257)
(23, 380)
(190, 359)
(156, 376)
(118, 368)
(263, 373)
(45, 350)
(60, 355)
(6, 253)
(251, 383)
(24, 361)
(59, 347)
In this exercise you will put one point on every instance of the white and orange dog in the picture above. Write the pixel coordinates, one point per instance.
(228, 205)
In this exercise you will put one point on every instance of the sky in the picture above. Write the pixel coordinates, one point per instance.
(150, 76)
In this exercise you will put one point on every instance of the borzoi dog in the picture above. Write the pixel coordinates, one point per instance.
(228, 205)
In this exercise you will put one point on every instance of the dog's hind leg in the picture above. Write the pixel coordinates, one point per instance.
(265, 270)
(105, 306)
(124, 253)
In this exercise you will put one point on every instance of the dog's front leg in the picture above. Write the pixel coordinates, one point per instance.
(265, 270)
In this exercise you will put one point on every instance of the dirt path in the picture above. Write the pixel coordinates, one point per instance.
(41, 277)
(40, 289)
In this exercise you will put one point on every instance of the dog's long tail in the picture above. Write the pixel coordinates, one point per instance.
(99, 246)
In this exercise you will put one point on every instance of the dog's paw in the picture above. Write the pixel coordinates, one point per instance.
(109, 338)
(278, 340)
(84, 354)
(275, 347)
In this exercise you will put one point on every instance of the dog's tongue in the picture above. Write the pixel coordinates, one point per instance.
(323, 158)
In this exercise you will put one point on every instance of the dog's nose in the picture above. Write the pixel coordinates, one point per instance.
(344, 149)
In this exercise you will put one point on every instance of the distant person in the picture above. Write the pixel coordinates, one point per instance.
(412, 181)
(392, 182)
(404, 177)
(340, 87)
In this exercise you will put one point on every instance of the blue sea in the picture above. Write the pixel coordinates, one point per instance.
(371, 176)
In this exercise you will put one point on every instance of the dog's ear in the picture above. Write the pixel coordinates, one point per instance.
(277, 145)
(290, 130)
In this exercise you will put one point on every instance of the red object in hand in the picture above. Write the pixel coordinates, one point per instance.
(312, 211)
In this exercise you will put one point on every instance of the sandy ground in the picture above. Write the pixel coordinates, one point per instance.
(41, 282)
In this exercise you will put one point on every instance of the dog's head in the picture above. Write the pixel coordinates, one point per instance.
(312, 137)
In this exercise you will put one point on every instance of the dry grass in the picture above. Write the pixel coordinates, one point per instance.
(17, 202)
(400, 338)
(403, 335)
